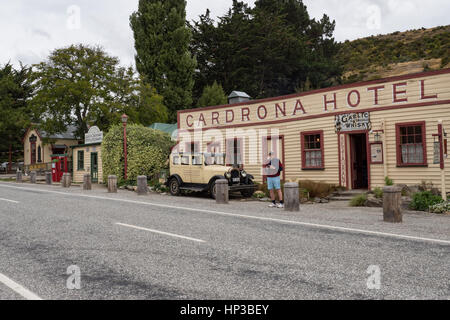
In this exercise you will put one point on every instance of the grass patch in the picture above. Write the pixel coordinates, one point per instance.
(388, 181)
(378, 192)
(317, 189)
(358, 201)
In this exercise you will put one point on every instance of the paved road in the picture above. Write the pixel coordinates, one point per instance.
(130, 247)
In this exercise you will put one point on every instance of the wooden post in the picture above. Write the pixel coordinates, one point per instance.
(222, 194)
(385, 155)
(19, 176)
(48, 178)
(33, 176)
(441, 160)
(112, 184)
(392, 202)
(66, 180)
(87, 182)
(291, 197)
(142, 187)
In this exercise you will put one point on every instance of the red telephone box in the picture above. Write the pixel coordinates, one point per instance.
(59, 166)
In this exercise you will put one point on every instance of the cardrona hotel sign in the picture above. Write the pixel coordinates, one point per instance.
(354, 100)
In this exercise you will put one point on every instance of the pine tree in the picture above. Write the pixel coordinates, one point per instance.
(162, 44)
(270, 49)
(212, 96)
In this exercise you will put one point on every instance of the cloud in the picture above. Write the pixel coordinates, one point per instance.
(32, 29)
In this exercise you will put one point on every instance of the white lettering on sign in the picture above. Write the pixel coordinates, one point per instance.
(93, 136)
(353, 122)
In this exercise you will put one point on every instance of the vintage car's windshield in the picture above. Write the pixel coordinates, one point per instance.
(214, 159)
(209, 159)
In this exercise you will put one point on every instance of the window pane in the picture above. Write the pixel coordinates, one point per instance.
(185, 160)
(404, 154)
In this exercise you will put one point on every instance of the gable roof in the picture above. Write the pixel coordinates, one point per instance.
(238, 94)
(69, 134)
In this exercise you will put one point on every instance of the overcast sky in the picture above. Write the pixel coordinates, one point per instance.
(30, 29)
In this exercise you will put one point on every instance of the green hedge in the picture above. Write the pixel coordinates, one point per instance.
(148, 152)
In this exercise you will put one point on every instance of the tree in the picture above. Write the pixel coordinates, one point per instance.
(212, 96)
(270, 49)
(82, 85)
(162, 45)
(15, 92)
(151, 106)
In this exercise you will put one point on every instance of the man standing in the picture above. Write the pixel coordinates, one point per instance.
(272, 168)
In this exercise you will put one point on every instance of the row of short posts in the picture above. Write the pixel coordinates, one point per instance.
(392, 199)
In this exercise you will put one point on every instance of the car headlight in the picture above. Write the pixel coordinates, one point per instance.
(243, 174)
(228, 175)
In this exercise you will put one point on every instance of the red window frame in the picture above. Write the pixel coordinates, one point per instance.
(304, 150)
(398, 128)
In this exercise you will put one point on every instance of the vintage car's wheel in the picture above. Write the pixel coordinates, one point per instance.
(174, 187)
(212, 190)
(248, 193)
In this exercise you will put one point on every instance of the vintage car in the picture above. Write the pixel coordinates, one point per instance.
(199, 172)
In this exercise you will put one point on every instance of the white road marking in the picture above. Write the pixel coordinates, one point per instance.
(320, 226)
(7, 200)
(159, 232)
(24, 292)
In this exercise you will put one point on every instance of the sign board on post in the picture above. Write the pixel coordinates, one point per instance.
(93, 136)
(376, 153)
(353, 122)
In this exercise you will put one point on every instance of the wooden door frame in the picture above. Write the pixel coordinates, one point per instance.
(366, 133)
(92, 175)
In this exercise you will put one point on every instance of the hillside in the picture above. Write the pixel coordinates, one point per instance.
(394, 54)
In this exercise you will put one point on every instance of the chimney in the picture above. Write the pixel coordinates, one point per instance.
(237, 97)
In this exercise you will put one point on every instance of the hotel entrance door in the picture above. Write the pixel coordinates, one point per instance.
(359, 161)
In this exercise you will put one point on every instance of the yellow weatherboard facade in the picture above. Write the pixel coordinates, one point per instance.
(351, 135)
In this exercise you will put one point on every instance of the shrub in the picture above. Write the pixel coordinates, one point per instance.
(317, 189)
(148, 152)
(378, 192)
(358, 201)
(440, 208)
(422, 201)
(388, 181)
